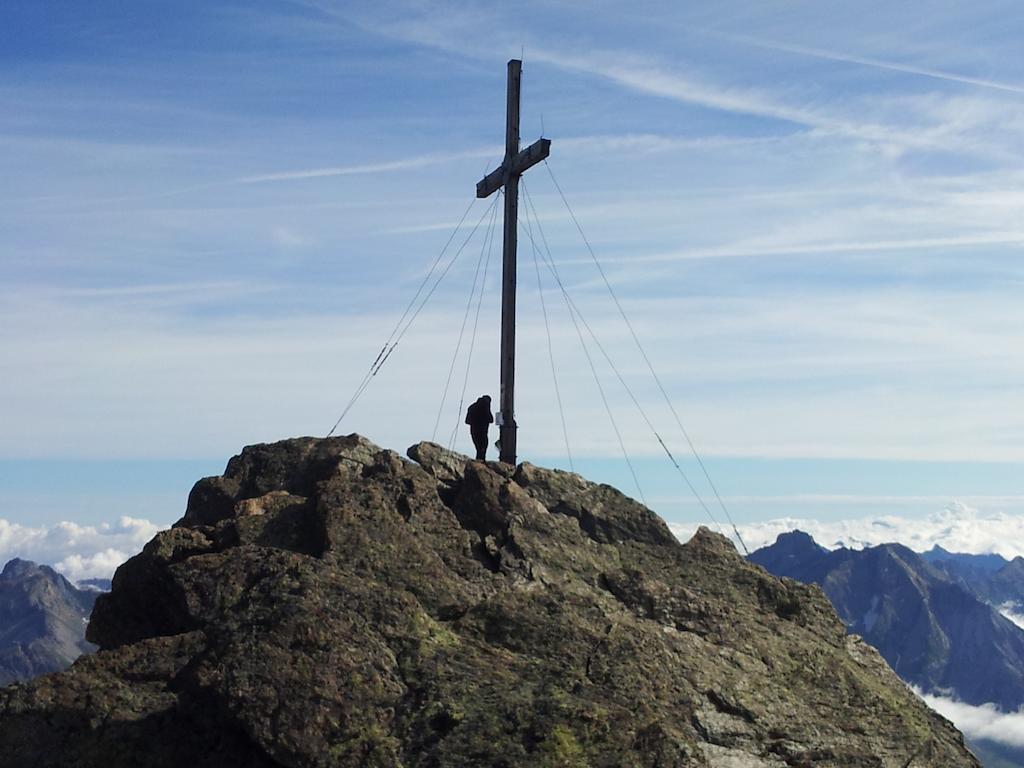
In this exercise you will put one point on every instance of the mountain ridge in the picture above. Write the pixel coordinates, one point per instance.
(42, 621)
(920, 613)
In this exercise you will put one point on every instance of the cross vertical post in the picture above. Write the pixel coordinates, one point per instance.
(507, 175)
(507, 436)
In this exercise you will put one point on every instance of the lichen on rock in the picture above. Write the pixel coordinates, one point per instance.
(329, 603)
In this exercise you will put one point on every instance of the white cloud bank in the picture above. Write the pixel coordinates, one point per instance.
(957, 528)
(1012, 612)
(77, 551)
(982, 722)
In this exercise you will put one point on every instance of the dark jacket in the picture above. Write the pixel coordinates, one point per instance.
(479, 415)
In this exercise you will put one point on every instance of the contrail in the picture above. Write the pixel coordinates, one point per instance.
(938, 74)
(419, 161)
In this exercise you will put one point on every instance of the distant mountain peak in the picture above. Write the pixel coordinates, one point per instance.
(42, 621)
(18, 569)
(926, 614)
(959, 562)
(798, 539)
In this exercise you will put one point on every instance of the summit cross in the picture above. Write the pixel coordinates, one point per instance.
(507, 175)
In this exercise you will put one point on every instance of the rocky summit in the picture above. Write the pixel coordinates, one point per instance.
(329, 603)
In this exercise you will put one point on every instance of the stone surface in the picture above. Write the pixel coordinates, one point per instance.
(329, 603)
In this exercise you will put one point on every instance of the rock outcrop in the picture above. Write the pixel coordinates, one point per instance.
(329, 603)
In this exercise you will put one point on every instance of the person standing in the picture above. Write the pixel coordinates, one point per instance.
(479, 418)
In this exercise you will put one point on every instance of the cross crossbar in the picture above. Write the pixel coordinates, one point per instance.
(522, 162)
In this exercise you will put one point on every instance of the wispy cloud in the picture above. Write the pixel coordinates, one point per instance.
(656, 79)
(188, 291)
(389, 166)
(868, 61)
(764, 375)
(625, 68)
(910, 122)
(864, 246)
(648, 143)
(288, 238)
(644, 143)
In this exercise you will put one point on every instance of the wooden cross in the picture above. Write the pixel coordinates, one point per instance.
(507, 175)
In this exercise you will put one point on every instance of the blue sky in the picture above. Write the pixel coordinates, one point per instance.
(213, 213)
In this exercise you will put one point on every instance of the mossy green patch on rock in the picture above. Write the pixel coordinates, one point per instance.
(560, 749)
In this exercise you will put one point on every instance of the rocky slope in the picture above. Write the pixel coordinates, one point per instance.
(989, 577)
(933, 630)
(42, 621)
(327, 603)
